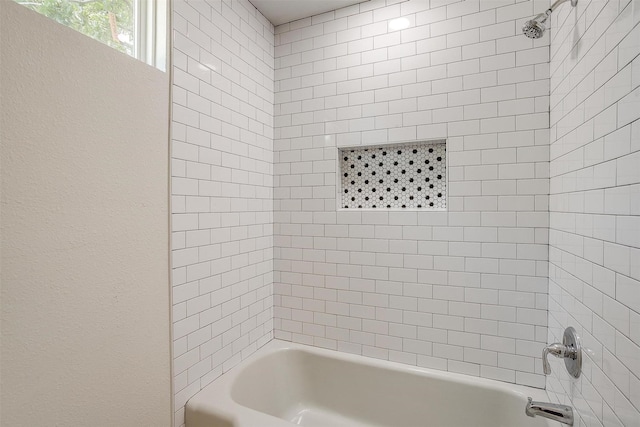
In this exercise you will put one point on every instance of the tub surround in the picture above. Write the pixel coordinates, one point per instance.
(221, 189)
(463, 290)
(594, 248)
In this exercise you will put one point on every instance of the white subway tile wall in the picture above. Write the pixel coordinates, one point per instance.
(594, 250)
(463, 290)
(254, 176)
(222, 189)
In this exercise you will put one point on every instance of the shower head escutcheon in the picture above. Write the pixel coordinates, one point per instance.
(534, 28)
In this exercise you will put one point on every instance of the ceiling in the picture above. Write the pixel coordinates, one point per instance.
(283, 11)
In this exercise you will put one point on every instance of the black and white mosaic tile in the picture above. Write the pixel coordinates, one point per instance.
(406, 176)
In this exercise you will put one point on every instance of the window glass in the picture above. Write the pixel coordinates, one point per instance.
(129, 26)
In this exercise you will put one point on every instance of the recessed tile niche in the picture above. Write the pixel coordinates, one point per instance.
(398, 176)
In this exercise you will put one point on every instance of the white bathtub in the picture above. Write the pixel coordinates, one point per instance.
(285, 383)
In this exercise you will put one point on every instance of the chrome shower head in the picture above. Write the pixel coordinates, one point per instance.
(534, 28)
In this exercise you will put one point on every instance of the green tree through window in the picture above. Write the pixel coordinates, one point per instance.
(109, 21)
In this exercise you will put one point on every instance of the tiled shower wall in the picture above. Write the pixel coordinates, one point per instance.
(463, 290)
(222, 189)
(595, 206)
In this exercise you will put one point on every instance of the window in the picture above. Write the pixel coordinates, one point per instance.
(135, 27)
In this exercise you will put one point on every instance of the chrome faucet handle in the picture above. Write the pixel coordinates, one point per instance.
(556, 349)
(570, 350)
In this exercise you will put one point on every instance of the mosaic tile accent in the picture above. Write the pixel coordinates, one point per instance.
(406, 176)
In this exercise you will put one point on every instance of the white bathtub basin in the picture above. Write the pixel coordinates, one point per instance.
(285, 383)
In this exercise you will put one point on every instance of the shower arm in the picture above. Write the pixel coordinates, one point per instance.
(557, 3)
(547, 13)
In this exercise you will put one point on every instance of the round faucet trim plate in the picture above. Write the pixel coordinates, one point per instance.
(573, 361)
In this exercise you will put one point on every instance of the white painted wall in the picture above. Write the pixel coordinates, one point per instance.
(222, 189)
(594, 249)
(85, 307)
(463, 290)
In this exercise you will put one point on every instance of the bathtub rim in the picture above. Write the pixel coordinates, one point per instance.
(215, 398)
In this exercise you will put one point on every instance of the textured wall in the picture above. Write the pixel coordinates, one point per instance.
(85, 268)
(595, 206)
(222, 189)
(463, 290)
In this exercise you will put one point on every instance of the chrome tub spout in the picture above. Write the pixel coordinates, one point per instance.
(553, 411)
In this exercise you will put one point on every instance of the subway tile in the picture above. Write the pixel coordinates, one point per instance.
(456, 59)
